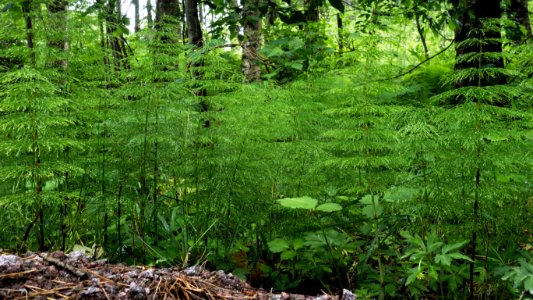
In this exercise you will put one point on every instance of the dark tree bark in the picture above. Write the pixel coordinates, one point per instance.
(473, 14)
(195, 38)
(340, 33)
(26, 10)
(252, 32)
(137, 17)
(194, 30)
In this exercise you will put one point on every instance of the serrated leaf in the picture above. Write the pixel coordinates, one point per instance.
(443, 259)
(329, 207)
(528, 284)
(301, 202)
(278, 245)
(450, 247)
(434, 246)
(525, 265)
(413, 273)
(433, 272)
(457, 255)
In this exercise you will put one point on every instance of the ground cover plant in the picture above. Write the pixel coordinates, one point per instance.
(380, 147)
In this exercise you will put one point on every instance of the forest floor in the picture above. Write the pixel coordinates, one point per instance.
(76, 276)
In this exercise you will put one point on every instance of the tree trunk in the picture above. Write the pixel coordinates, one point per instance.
(473, 13)
(252, 32)
(57, 38)
(26, 10)
(137, 18)
(117, 44)
(194, 32)
(340, 33)
(166, 19)
(149, 17)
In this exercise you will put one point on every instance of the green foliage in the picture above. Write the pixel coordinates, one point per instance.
(522, 276)
(345, 176)
(434, 264)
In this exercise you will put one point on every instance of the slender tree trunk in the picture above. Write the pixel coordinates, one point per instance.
(193, 23)
(137, 18)
(474, 12)
(26, 10)
(340, 34)
(149, 17)
(195, 37)
(252, 32)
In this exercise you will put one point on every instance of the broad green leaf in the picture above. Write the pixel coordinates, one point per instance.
(329, 207)
(288, 255)
(274, 52)
(297, 65)
(367, 199)
(298, 243)
(301, 202)
(278, 245)
(369, 210)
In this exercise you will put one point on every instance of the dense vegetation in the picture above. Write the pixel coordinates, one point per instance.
(379, 146)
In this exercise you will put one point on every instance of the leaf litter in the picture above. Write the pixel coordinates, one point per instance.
(76, 275)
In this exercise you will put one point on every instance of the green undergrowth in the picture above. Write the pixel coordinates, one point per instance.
(393, 187)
